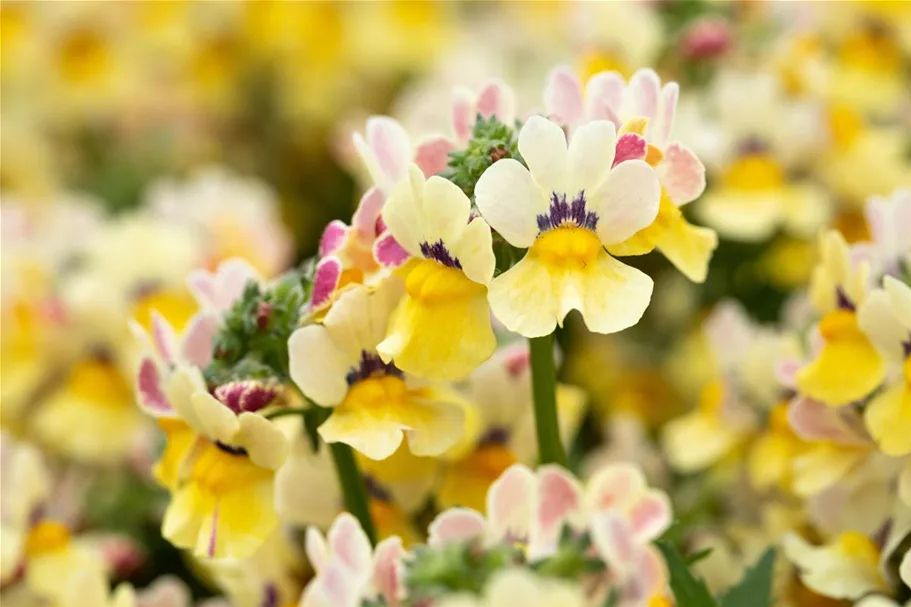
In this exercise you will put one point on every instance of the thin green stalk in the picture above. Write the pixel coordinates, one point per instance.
(353, 487)
(544, 391)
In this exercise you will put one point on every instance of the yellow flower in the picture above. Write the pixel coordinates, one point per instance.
(375, 405)
(56, 561)
(885, 317)
(771, 455)
(25, 486)
(565, 209)
(846, 568)
(441, 329)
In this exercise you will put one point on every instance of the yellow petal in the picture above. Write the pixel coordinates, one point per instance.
(823, 466)
(848, 368)
(770, 461)
(888, 418)
(465, 483)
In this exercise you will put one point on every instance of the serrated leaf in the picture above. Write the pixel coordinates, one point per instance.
(689, 591)
(755, 588)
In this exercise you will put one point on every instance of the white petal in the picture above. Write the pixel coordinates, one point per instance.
(510, 201)
(317, 366)
(446, 210)
(876, 317)
(542, 144)
(214, 419)
(403, 213)
(900, 296)
(591, 155)
(627, 202)
(265, 443)
(390, 145)
(474, 250)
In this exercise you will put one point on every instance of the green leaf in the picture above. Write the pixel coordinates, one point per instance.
(689, 590)
(755, 588)
(694, 558)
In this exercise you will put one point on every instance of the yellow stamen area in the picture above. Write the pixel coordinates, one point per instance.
(377, 392)
(754, 172)
(859, 547)
(47, 536)
(596, 61)
(430, 282)
(177, 306)
(634, 125)
(99, 381)
(654, 155)
(567, 248)
(83, 57)
(845, 125)
(218, 472)
(840, 324)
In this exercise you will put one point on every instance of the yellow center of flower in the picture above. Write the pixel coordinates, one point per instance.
(754, 172)
(219, 472)
(859, 547)
(567, 248)
(597, 61)
(873, 52)
(845, 125)
(177, 306)
(840, 325)
(377, 392)
(778, 420)
(84, 57)
(47, 536)
(99, 381)
(711, 398)
(431, 282)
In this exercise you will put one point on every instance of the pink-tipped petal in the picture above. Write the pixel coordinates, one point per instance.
(151, 397)
(509, 503)
(333, 238)
(615, 486)
(455, 525)
(198, 339)
(232, 277)
(682, 174)
(630, 146)
(644, 88)
(368, 212)
(812, 420)
(615, 542)
(349, 543)
(387, 563)
(202, 287)
(648, 578)
(391, 145)
(316, 549)
(563, 97)
(464, 110)
(325, 280)
(786, 372)
(559, 500)
(388, 252)
(660, 129)
(164, 338)
(604, 97)
(432, 155)
(497, 99)
(651, 516)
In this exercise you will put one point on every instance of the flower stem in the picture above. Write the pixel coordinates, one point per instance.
(353, 487)
(544, 391)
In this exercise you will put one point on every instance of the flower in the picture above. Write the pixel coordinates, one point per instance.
(644, 108)
(885, 317)
(846, 568)
(522, 587)
(565, 209)
(25, 486)
(495, 98)
(891, 242)
(441, 329)
(336, 364)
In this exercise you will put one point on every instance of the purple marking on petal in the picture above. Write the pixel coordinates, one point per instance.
(325, 280)
(333, 237)
(562, 213)
(371, 364)
(495, 436)
(906, 347)
(630, 146)
(270, 595)
(230, 449)
(438, 252)
(388, 252)
(151, 397)
(376, 490)
(246, 395)
(843, 301)
(212, 535)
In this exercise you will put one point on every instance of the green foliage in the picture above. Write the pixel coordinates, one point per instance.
(755, 588)
(455, 567)
(689, 591)
(491, 140)
(252, 342)
(571, 560)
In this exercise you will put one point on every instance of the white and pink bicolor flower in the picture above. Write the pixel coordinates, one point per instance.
(495, 98)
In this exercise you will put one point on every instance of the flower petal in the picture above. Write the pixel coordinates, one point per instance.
(150, 396)
(630, 146)
(651, 516)
(497, 99)
(682, 174)
(388, 252)
(510, 503)
(590, 156)
(627, 202)
(317, 366)
(510, 201)
(615, 486)
(387, 569)
(333, 238)
(560, 502)
(199, 338)
(542, 144)
(265, 443)
(643, 91)
(474, 249)
(455, 525)
(214, 419)
(812, 420)
(349, 544)
(526, 298)
(446, 210)
(404, 212)
(433, 426)
(563, 97)
(464, 111)
(604, 97)
(391, 146)
(888, 418)
(374, 436)
(326, 278)
(432, 155)
(660, 128)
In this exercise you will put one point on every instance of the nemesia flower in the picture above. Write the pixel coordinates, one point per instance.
(445, 281)
(520, 586)
(891, 241)
(25, 485)
(847, 367)
(643, 107)
(495, 98)
(846, 568)
(387, 152)
(565, 209)
(217, 291)
(336, 364)
(885, 317)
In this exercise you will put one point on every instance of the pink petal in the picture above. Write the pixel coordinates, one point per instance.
(651, 516)
(604, 97)
(387, 561)
(648, 577)
(630, 146)
(615, 486)
(391, 145)
(388, 252)
(786, 372)
(455, 525)
(199, 339)
(517, 361)
(497, 99)
(509, 501)
(644, 88)
(563, 97)
(682, 174)
(432, 155)
(333, 238)
(316, 549)
(163, 337)
(151, 399)
(232, 277)
(816, 421)
(661, 128)
(202, 286)
(325, 280)
(368, 212)
(348, 542)
(333, 587)
(464, 110)
(615, 542)
(559, 499)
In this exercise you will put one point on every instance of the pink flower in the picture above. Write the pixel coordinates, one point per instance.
(495, 98)
(706, 38)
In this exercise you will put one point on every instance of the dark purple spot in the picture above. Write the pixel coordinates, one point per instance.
(562, 213)
(371, 364)
(376, 490)
(230, 449)
(494, 436)
(438, 252)
(844, 302)
(270, 596)
(906, 347)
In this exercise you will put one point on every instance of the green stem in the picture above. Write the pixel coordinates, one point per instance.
(353, 487)
(544, 391)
